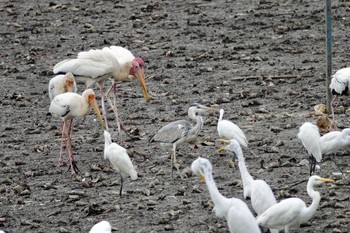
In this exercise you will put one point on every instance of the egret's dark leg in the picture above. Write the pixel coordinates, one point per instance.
(336, 164)
(121, 185)
(312, 164)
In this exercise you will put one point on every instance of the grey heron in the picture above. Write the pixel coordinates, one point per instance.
(181, 131)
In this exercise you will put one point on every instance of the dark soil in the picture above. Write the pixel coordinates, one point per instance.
(264, 63)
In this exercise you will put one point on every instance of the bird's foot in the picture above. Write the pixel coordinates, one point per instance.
(73, 168)
(60, 163)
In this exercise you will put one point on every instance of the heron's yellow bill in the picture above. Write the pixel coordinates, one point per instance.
(201, 178)
(222, 148)
(327, 180)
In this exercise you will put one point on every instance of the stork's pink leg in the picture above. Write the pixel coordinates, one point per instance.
(73, 167)
(63, 141)
(104, 113)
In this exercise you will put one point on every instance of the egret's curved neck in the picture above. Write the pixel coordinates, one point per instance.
(245, 175)
(221, 114)
(108, 141)
(310, 211)
(220, 202)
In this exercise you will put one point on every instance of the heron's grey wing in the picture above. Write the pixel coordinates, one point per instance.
(172, 132)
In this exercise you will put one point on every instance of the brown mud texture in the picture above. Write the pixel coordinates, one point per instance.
(262, 61)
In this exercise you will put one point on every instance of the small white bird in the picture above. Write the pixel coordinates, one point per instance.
(119, 159)
(309, 135)
(69, 106)
(292, 212)
(259, 192)
(340, 82)
(101, 227)
(238, 216)
(181, 131)
(230, 130)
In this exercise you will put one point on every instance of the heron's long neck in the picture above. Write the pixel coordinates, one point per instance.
(195, 130)
(108, 141)
(310, 211)
(245, 175)
(221, 114)
(220, 202)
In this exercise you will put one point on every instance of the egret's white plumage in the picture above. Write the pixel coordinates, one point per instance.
(259, 192)
(101, 227)
(230, 130)
(61, 84)
(334, 141)
(69, 106)
(292, 212)
(309, 135)
(238, 216)
(97, 65)
(178, 132)
(119, 159)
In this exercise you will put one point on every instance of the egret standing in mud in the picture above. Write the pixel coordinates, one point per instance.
(101, 227)
(181, 131)
(230, 130)
(68, 106)
(292, 212)
(309, 136)
(238, 216)
(119, 159)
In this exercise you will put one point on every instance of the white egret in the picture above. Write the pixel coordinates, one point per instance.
(230, 130)
(119, 159)
(309, 135)
(101, 227)
(259, 192)
(97, 65)
(292, 212)
(178, 132)
(58, 85)
(69, 106)
(238, 216)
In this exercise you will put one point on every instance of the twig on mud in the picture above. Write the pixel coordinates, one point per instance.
(289, 186)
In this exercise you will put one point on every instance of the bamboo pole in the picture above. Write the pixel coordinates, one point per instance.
(328, 53)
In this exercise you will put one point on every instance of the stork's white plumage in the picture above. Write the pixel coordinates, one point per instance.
(310, 137)
(292, 212)
(238, 216)
(97, 65)
(69, 106)
(119, 159)
(178, 132)
(62, 84)
(230, 130)
(101, 227)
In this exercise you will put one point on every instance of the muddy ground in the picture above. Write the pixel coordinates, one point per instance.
(261, 61)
